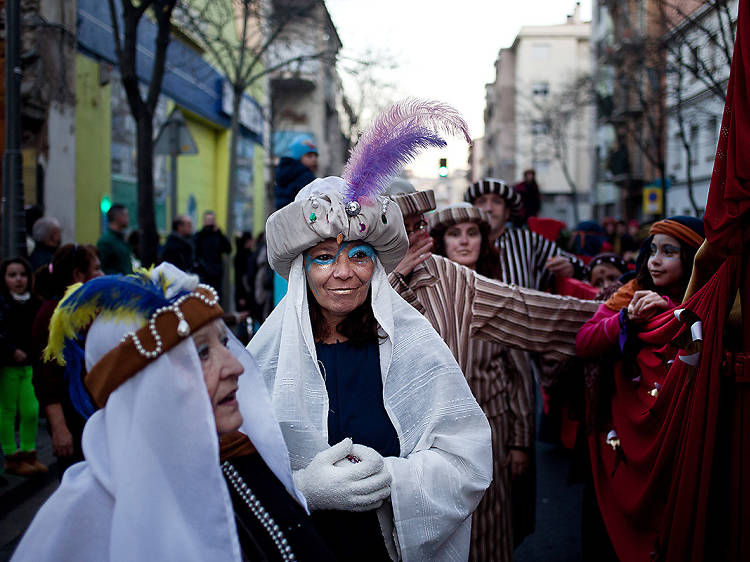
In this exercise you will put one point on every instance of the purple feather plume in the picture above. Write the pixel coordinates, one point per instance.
(393, 140)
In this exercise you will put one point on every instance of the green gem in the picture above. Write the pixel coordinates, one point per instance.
(382, 218)
(313, 217)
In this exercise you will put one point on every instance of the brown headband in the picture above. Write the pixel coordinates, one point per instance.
(167, 327)
(678, 230)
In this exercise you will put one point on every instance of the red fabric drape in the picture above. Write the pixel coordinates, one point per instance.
(654, 489)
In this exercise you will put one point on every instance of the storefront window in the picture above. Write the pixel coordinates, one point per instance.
(243, 204)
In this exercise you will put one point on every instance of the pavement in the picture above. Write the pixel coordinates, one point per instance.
(557, 534)
(21, 497)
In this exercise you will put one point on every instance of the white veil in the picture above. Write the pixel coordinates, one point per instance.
(445, 462)
(151, 487)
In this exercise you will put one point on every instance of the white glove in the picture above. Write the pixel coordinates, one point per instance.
(328, 483)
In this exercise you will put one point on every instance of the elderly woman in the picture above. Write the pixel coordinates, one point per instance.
(163, 371)
(386, 441)
(461, 234)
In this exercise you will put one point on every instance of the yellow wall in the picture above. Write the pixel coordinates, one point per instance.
(93, 134)
(221, 177)
(259, 198)
(205, 174)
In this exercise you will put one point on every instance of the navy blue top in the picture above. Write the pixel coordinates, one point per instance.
(355, 397)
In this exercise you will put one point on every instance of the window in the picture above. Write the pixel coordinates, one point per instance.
(695, 60)
(710, 58)
(539, 128)
(540, 166)
(540, 88)
(712, 134)
(694, 144)
(676, 150)
(540, 51)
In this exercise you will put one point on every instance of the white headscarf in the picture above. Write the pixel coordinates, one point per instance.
(151, 487)
(445, 462)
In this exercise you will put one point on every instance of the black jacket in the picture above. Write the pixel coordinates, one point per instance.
(291, 176)
(209, 246)
(179, 252)
(16, 318)
(42, 255)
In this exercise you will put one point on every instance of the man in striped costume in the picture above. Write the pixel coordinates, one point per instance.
(529, 260)
(461, 305)
(526, 258)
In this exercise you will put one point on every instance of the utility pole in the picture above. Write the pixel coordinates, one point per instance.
(14, 231)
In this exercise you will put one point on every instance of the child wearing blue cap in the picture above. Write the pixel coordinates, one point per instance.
(296, 169)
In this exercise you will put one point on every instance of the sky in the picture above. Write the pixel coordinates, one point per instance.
(444, 49)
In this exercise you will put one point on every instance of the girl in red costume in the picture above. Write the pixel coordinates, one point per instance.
(664, 268)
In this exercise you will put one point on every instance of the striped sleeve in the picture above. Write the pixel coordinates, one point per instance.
(400, 285)
(521, 407)
(528, 319)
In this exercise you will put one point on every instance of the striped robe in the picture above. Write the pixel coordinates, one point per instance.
(524, 255)
(476, 316)
(523, 259)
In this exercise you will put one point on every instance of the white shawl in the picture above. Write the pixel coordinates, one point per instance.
(446, 459)
(151, 487)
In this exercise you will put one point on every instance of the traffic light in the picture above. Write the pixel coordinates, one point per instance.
(105, 204)
(443, 168)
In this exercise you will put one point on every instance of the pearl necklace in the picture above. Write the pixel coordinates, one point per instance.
(260, 513)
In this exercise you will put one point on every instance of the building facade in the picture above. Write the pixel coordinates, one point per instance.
(306, 95)
(700, 45)
(79, 136)
(629, 73)
(523, 126)
(660, 71)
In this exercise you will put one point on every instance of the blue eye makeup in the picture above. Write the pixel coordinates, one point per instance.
(356, 252)
(361, 252)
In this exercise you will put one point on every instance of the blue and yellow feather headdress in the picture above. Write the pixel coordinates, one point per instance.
(118, 297)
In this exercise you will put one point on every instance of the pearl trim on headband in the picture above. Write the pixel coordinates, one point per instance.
(183, 328)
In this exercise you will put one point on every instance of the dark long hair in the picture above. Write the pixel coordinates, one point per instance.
(488, 262)
(54, 278)
(359, 327)
(27, 268)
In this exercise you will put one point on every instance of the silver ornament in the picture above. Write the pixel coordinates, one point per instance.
(353, 208)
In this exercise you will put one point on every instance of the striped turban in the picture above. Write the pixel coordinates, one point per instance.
(499, 187)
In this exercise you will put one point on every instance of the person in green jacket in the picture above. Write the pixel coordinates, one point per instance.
(114, 252)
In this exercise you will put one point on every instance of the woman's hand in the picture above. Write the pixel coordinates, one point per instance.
(328, 483)
(645, 305)
(518, 462)
(19, 356)
(420, 244)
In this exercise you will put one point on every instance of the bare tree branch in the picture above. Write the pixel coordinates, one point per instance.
(163, 10)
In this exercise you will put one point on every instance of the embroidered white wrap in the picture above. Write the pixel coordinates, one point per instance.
(445, 462)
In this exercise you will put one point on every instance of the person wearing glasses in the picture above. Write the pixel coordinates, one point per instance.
(460, 303)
